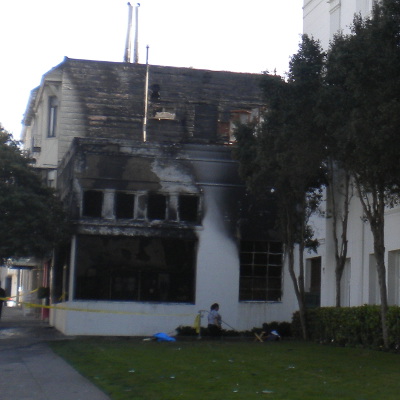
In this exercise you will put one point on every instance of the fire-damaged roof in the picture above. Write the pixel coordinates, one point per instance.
(184, 104)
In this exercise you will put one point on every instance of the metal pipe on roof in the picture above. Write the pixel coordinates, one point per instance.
(127, 55)
(136, 50)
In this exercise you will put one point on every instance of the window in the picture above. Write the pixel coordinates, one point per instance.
(155, 92)
(135, 269)
(188, 208)
(52, 121)
(92, 204)
(156, 207)
(313, 282)
(124, 205)
(244, 117)
(260, 271)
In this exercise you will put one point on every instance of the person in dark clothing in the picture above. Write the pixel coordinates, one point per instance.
(214, 321)
(2, 299)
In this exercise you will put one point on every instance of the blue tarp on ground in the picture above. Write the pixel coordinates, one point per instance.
(163, 337)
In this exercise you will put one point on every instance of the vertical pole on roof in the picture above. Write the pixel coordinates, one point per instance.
(127, 55)
(136, 51)
(146, 95)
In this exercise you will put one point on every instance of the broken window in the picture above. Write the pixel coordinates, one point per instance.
(156, 206)
(135, 269)
(188, 206)
(260, 271)
(244, 117)
(52, 119)
(124, 205)
(92, 203)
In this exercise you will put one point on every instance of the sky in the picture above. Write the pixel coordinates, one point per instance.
(230, 35)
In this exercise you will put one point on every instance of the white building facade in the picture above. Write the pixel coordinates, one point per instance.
(323, 18)
(359, 284)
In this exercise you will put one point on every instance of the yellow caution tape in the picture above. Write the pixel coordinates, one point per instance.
(21, 294)
(34, 305)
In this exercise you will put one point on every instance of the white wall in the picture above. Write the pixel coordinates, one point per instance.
(217, 280)
(323, 18)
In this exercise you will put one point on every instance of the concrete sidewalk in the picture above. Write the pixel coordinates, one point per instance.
(30, 370)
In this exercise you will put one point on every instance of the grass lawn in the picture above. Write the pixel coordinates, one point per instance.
(223, 370)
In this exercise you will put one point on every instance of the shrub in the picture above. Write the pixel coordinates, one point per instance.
(349, 326)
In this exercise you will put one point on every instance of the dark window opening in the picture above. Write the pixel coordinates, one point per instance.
(52, 122)
(124, 205)
(155, 92)
(313, 295)
(92, 204)
(188, 208)
(156, 207)
(135, 269)
(260, 271)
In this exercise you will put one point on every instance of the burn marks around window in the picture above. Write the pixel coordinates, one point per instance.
(144, 206)
(135, 269)
(124, 205)
(188, 208)
(92, 203)
(156, 206)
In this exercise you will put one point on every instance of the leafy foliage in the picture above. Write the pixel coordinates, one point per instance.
(350, 326)
(283, 158)
(32, 221)
(363, 70)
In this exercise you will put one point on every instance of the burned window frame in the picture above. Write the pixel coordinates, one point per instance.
(121, 208)
(186, 215)
(95, 202)
(261, 270)
(154, 201)
(136, 269)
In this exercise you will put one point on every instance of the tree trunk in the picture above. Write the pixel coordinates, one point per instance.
(298, 291)
(375, 212)
(342, 244)
(379, 250)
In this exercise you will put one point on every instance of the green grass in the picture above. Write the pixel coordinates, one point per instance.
(198, 370)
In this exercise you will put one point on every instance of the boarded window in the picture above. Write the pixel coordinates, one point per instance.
(124, 205)
(260, 271)
(188, 208)
(156, 207)
(92, 203)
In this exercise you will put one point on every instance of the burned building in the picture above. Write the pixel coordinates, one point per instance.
(162, 224)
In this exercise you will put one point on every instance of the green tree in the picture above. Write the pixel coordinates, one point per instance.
(364, 68)
(283, 158)
(32, 220)
(334, 105)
